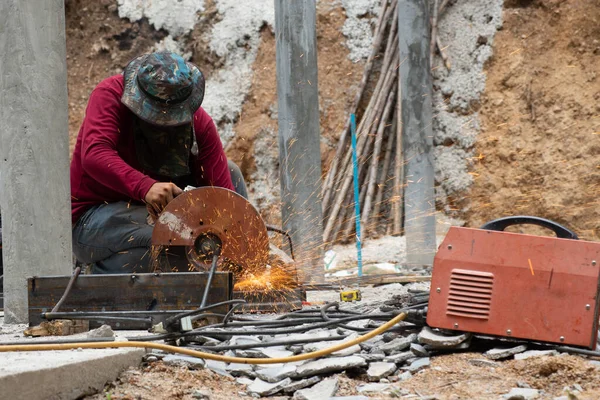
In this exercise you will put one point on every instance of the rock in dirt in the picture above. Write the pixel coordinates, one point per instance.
(103, 331)
(327, 365)
(400, 358)
(404, 376)
(482, 362)
(374, 388)
(321, 391)
(418, 365)
(201, 394)
(186, 361)
(535, 353)
(499, 353)
(419, 350)
(273, 375)
(440, 341)
(350, 398)
(240, 370)
(378, 370)
(263, 388)
(522, 394)
(301, 384)
(398, 344)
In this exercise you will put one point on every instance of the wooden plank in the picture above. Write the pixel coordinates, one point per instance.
(127, 292)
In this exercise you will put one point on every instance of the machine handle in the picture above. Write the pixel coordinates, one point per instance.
(503, 223)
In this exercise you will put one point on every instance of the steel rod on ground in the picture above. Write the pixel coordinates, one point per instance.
(299, 144)
(416, 117)
(34, 154)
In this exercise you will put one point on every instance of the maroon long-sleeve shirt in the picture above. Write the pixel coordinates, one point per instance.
(104, 167)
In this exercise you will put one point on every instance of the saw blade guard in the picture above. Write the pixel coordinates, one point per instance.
(218, 213)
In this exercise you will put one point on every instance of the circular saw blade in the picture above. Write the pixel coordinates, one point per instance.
(217, 211)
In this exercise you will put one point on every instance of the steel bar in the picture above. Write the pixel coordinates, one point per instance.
(68, 289)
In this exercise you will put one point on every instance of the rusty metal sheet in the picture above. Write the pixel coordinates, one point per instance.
(522, 286)
(127, 292)
(220, 212)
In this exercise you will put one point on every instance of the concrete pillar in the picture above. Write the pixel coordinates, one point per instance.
(34, 147)
(414, 34)
(299, 144)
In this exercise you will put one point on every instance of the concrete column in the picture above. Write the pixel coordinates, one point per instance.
(414, 34)
(299, 144)
(34, 147)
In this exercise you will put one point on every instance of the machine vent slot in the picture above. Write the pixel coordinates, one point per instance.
(470, 294)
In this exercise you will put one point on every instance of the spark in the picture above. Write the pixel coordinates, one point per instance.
(530, 266)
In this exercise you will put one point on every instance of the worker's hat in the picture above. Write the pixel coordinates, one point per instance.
(163, 89)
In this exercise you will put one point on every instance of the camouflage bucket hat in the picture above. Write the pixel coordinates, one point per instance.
(163, 89)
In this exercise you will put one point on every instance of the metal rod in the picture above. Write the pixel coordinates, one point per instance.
(209, 280)
(286, 234)
(67, 290)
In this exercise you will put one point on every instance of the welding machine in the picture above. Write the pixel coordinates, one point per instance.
(492, 282)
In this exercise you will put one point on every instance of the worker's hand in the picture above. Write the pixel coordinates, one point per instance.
(159, 195)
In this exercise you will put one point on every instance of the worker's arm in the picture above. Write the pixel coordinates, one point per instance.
(211, 163)
(99, 156)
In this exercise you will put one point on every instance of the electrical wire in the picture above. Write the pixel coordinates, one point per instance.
(208, 356)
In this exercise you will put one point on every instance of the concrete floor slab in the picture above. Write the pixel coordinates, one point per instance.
(59, 375)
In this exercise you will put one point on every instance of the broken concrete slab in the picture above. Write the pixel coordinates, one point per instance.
(482, 362)
(373, 357)
(263, 388)
(521, 393)
(535, 353)
(418, 365)
(277, 374)
(186, 361)
(419, 350)
(327, 365)
(218, 367)
(276, 352)
(398, 344)
(378, 370)
(439, 341)
(321, 391)
(374, 388)
(244, 381)
(238, 370)
(62, 374)
(250, 353)
(202, 394)
(400, 358)
(301, 384)
(500, 353)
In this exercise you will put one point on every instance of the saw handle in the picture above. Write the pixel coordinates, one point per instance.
(503, 223)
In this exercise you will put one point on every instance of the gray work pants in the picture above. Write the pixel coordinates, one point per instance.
(115, 237)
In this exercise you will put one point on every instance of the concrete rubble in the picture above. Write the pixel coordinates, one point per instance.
(327, 365)
(535, 353)
(440, 341)
(263, 388)
(379, 370)
(522, 394)
(500, 353)
(321, 391)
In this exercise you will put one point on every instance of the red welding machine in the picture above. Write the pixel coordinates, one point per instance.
(507, 284)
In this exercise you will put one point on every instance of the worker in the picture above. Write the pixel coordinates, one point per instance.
(144, 138)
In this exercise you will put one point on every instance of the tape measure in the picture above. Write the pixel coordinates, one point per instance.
(350, 295)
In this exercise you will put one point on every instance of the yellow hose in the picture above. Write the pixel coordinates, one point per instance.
(208, 356)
